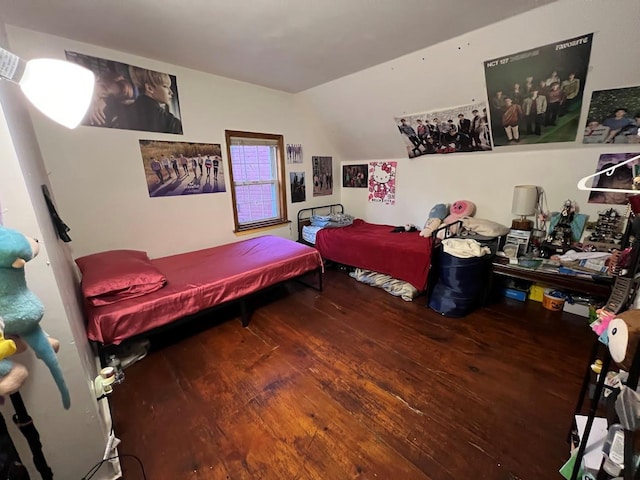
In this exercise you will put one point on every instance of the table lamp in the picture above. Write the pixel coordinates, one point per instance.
(525, 201)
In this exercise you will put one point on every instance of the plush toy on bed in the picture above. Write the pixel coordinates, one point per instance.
(437, 214)
(20, 309)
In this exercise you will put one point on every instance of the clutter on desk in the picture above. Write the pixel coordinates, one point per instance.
(607, 232)
(565, 227)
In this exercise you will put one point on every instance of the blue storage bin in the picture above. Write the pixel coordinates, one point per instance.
(461, 285)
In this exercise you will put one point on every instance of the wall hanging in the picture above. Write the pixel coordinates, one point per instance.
(322, 176)
(130, 97)
(535, 96)
(382, 182)
(614, 116)
(182, 168)
(457, 129)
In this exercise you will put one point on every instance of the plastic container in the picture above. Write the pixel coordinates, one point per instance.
(113, 361)
(555, 304)
(613, 450)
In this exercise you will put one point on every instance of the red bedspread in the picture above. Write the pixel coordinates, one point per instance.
(202, 279)
(405, 256)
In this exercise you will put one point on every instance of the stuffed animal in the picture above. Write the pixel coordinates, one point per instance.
(624, 334)
(20, 309)
(437, 214)
(12, 375)
(458, 210)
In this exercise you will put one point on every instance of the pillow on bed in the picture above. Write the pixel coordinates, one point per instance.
(117, 275)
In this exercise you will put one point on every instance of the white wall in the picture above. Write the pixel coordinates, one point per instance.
(358, 111)
(97, 174)
(73, 441)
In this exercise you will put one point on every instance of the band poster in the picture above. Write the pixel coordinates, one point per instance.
(535, 96)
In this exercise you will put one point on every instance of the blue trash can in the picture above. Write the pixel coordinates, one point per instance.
(461, 285)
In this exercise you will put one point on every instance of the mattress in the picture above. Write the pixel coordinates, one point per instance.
(309, 233)
(200, 280)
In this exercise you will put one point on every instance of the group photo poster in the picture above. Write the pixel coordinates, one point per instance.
(355, 176)
(535, 96)
(182, 168)
(458, 129)
(130, 97)
(620, 178)
(294, 153)
(322, 176)
(614, 116)
(298, 192)
(382, 182)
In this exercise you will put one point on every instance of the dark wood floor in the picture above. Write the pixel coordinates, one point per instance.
(356, 383)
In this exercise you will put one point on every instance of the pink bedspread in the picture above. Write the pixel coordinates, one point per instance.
(202, 279)
(405, 256)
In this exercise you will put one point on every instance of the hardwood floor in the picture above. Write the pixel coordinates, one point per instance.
(355, 383)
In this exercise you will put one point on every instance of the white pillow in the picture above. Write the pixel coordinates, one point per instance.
(483, 227)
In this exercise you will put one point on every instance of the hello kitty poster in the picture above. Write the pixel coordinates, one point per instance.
(382, 182)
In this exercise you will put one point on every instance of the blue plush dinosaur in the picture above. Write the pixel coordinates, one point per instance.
(20, 309)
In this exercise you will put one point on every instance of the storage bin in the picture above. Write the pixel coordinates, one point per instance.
(552, 303)
(461, 285)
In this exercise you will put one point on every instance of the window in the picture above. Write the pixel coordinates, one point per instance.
(257, 179)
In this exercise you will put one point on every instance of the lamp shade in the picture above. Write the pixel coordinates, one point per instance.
(61, 90)
(525, 199)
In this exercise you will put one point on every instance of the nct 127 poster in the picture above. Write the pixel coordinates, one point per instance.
(535, 96)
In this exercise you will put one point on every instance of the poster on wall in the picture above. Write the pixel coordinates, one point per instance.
(458, 129)
(294, 153)
(298, 193)
(622, 177)
(535, 96)
(130, 97)
(382, 182)
(322, 176)
(181, 168)
(355, 176)
(614, 116)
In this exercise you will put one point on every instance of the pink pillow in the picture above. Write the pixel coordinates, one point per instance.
(117, 275)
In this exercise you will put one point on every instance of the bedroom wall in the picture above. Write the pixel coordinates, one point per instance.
(358, 111)
(97, 175)
(73, 440)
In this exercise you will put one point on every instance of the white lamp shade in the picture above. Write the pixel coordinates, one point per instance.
(61, 90)
(525, 199)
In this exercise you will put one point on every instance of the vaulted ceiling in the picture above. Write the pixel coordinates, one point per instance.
(289, 45)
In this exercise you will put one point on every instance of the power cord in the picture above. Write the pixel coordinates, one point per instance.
(97, 466)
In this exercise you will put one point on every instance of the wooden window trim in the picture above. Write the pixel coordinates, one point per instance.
(280, 176)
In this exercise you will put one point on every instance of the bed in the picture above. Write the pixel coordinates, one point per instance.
(194, 282)
(404, 256)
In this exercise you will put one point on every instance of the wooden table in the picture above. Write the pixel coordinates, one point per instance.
(554, 279)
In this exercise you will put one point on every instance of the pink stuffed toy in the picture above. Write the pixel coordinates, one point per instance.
(459, 209)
